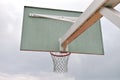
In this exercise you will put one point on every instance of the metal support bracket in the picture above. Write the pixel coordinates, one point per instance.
(55, 17)
(61, 48)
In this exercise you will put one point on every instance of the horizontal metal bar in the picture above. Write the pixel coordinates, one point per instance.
(56, 17)
(112, 14)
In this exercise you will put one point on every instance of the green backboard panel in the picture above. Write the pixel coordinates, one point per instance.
(42, 34)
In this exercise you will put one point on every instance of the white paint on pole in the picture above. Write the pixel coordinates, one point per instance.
(112, 14)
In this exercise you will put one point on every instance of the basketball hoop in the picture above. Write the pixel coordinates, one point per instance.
(60, 61)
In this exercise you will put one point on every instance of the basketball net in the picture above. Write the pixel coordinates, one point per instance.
(60, 61)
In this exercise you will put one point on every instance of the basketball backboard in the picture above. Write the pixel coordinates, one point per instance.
(43, 34)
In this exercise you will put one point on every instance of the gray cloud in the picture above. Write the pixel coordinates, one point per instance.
(85, 67)
(42, 76)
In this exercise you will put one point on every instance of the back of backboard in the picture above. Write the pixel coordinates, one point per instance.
(43, 34)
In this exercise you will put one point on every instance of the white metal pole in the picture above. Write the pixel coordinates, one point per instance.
(89, 17)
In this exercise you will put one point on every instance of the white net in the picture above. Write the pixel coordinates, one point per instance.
(60, 61)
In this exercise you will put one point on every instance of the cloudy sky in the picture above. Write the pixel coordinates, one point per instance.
(20, 65)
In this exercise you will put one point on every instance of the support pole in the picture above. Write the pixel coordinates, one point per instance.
(85, 20)
(89, 17)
